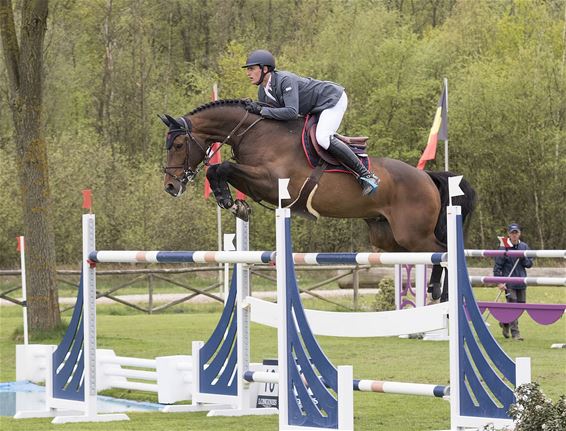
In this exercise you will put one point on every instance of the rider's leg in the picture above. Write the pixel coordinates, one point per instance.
(368, 181)
(328, 124)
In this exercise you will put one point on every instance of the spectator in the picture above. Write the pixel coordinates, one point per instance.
(506, 266)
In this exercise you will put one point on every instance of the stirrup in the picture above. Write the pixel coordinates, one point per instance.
(369, 184)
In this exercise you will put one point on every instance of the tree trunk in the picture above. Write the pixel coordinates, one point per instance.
(25, 72)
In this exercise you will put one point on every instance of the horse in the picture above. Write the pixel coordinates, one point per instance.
(406, 213)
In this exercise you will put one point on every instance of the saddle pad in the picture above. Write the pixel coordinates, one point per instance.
(312, 155)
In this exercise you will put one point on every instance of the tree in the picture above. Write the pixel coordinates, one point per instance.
(24, 64)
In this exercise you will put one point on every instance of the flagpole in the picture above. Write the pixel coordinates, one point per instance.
(219, 213)
(446, 141)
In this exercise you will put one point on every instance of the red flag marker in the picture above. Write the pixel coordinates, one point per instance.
(87, 199)
(20, 240)
(240, 195)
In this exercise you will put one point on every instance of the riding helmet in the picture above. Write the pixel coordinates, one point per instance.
(260, 57)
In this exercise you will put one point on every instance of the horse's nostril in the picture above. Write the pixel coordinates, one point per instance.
(170, 188)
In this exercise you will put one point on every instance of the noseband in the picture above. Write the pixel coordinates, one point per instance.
(189, 173)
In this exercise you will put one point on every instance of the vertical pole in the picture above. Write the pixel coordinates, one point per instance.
(522, 371)
(243, 316)
(420, 285)
(21, 246)
(446, 141)
(356, 286)
(281, 214)
(150, 293)
(89, 315)
(452, 212)
(398, 271)
(228, 246)
(345, 397)
(221, 276)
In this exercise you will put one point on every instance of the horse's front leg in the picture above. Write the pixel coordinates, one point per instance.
(218, 176)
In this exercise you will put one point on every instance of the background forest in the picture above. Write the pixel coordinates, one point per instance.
(112, 65)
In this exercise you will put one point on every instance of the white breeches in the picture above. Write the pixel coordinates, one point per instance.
(329, 121)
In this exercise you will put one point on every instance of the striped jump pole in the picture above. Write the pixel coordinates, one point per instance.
(128, 256)
(516, 253)
(378, 386)
(258, 257)
(532, 281)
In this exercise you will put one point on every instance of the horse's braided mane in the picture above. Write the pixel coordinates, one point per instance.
(222, 102)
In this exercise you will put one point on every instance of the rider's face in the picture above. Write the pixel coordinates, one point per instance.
(254, 74)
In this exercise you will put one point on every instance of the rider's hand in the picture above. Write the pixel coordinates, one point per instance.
(501, 286)
(254, 108)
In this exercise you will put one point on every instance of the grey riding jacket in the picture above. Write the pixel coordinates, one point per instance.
(296, 95)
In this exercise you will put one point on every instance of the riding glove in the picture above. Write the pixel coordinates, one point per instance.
(254, 108)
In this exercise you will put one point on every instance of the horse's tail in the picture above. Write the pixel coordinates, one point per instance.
(467, 202)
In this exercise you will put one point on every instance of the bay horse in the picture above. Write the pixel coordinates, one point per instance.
(406, 213)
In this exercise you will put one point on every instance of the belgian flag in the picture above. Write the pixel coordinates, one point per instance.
(439, 130)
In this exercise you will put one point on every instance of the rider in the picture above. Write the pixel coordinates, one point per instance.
(292, 95)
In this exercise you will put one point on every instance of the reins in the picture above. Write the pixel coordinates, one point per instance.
(227, 138)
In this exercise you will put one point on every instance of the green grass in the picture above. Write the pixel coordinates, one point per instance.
(134, 334)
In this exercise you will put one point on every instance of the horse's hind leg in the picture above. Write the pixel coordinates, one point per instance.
(437, 288)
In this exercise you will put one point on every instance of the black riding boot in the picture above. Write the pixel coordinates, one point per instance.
(368, 181)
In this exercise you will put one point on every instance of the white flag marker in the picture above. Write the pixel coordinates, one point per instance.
(283, 192)
(454, 187)
(229, 241)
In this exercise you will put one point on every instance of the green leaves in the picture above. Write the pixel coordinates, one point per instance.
(111, 66)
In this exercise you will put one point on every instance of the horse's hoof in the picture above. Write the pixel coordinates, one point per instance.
(241, 209)
(435, 290)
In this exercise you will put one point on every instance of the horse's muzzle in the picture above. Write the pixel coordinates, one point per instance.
(175, 188)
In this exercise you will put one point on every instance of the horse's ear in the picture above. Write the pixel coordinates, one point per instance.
(173, 122)
(164, 119)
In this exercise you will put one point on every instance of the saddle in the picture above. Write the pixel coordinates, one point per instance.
(322, 161)
(314, 152)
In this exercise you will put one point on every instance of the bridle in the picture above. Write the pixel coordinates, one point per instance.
(185, 129)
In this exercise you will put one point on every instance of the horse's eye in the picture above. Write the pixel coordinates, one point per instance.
(178, 146)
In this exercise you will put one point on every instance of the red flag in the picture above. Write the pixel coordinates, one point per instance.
(87, 199)
(20, 243)
(240, 195)
(439, 130)
(505, 241)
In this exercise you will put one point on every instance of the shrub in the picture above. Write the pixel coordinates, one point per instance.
(533, 411)
(385, 297)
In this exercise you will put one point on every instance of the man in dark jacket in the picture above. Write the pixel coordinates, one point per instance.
(506, 266)
(290, 95)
